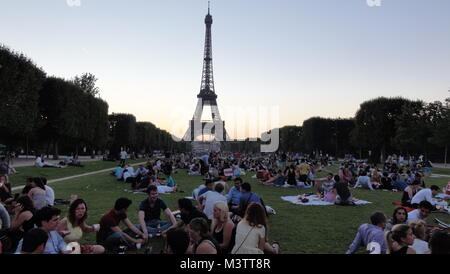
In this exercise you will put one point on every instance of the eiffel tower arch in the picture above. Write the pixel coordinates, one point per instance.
(206, 135)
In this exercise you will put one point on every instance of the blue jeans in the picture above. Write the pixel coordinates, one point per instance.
(152, 227)
(115, 240)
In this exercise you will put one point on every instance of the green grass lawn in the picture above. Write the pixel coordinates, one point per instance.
(299, 229)
(440, 170)
(55, 173)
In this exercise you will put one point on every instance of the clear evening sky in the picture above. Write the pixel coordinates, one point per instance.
(309, 57)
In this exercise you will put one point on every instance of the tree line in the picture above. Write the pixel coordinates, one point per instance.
(54, 115)
(381, 126)
(47, 114)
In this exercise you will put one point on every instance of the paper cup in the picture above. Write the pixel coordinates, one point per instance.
(96, 227)
(138, 245)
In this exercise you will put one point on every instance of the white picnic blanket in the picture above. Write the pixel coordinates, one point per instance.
(313, 200)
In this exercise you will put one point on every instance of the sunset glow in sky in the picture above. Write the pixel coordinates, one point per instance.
(305, 57)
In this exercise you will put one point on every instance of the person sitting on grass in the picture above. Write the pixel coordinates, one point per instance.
(210, 198)
(118, 172)
(344, 196)
(49, 192)
(110, 235)
(399, 239)
(209, 186)
(5, 190)
(400, 216)
(247, 197)
(386, 182)
(427, 194)
(234, 195)
(74, 225)
(177, 241)
(251, 233)
(325, 188)
(200, 238)
(5, 219)
(222, 227)
(409, 192)
(22, 220)
(188, 212)
(150, 215)
(38, 194)
(363, 181)
(440, 242)
(368, 233)
(420, 244)
(47, 219)
(34, 241)
(421, 213)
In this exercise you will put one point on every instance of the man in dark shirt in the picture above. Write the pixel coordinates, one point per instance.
(110, 235)
(150, 215)
(247, 197)
(188, 212)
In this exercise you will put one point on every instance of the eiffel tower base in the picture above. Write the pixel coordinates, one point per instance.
(205, 147)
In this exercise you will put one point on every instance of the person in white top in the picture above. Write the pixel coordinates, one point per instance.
(426, 195)
(211, 197)
(421, 213)
(363, 181)
(49, 193)
(420, 244)
(123, 157)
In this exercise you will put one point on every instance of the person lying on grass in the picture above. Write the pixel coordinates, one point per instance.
(368, 233)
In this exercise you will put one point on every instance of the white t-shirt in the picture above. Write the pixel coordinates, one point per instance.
(420, 246)
(423, 195)
(211, 197)
(50, 195)
(414, 216)
(39, 162)
(123, 154)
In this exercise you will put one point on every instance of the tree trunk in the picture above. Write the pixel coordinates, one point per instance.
(55, 151)
(445, 156)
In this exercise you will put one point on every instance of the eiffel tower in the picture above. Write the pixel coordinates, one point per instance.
(206, 135)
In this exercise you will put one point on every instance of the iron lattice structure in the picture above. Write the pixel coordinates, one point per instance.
(207, 97)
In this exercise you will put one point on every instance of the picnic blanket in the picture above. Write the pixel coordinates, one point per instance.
(313, 200)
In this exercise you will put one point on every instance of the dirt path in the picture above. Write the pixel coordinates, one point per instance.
(77, 176)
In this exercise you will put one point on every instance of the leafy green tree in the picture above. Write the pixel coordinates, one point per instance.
(375, 125)
(20, 82)
(441, 129)
(86, 82)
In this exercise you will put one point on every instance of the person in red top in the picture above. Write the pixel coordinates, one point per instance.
(110, 235)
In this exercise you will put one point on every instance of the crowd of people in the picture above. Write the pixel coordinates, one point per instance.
(219, 219)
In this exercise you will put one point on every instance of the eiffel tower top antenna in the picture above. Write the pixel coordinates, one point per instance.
(208, 6)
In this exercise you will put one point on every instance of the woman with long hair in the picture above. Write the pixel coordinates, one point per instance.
(420, 244)
(400, 216)
(202, 242)
(74, 225)
(222, 227)
(251, 233)
(5, 190)
(37, 194)
(22, 220)
(399, 239)
(409, 192)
